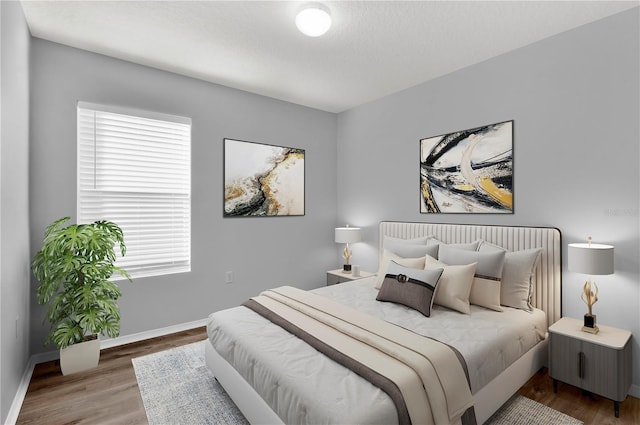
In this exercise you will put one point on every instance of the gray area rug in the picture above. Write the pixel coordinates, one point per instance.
(520, 410)
(177, 388)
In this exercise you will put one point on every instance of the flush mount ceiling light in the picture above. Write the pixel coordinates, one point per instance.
(314, 20)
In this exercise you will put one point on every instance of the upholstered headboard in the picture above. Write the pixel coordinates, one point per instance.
(547, 294)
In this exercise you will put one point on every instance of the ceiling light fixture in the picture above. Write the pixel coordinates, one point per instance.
(314, 20)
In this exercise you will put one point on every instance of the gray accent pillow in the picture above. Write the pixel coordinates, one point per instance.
(410, 287)
(485, 290)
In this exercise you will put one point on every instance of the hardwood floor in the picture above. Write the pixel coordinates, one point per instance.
(106, 395)
(590, 409)
(109, 394)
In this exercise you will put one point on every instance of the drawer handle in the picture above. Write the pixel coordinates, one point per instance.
(581, 365)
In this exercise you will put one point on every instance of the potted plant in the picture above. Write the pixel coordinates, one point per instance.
(73, 267)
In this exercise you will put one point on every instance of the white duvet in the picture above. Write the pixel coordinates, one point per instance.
(304, 387)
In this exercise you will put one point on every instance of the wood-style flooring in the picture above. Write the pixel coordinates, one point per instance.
(106, 395)
(590, 409)
(109, 394)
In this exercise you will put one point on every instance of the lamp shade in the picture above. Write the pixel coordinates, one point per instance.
(591, 258)
(348, 234)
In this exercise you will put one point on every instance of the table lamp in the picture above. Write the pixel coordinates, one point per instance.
(347, 235)
(591, 259)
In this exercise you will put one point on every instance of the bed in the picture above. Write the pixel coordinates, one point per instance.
(245, 351)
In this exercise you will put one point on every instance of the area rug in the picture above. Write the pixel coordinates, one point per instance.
(177, 388)
(520, 410)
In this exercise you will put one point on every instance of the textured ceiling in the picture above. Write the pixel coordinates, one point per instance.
(374, 48)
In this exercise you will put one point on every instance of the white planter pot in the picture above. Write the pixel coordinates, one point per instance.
(80, 357)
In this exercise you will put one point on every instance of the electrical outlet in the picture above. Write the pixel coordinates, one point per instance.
(228, 277)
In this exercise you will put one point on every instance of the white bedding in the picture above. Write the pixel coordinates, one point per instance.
(280, 366)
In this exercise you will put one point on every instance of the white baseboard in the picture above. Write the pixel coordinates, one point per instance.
(634, 390)
(16, 405)
(140, 336)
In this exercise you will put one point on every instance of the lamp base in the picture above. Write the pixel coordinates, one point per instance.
(590, 324)
(594, 330)
(346, 268)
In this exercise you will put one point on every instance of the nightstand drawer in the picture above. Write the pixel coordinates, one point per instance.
(598, 363)
(333, 279)
(591, 367)
(337, 276)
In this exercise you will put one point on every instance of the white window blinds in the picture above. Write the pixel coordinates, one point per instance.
(134, 168)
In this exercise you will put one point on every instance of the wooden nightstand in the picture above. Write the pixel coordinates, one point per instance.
(600, 363)
(336, 276)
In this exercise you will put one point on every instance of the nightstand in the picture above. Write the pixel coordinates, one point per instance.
(336, 276)
(598, 363)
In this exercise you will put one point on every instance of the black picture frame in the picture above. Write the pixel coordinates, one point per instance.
(468, 171)
(262, 180)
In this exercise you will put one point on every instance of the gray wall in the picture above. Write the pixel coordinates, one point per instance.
(14, 207)
(575, 102)
(574, 99)
(261, 252)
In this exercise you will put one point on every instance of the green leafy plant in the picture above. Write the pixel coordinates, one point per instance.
(73, 267)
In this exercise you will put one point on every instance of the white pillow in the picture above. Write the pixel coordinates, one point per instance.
(416, 241)
(387, 257)
(410, 249)
(454, 285)
(485, 291)
(516, 287)
(471, 246)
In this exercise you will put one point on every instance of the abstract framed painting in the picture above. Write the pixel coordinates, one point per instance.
(469, 171)
(262, 180)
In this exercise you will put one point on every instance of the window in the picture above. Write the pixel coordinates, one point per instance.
(134, 168)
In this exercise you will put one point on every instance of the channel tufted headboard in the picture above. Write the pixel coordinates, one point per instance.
(547, 293)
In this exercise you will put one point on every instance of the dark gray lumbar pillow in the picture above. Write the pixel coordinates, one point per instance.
(410, 287)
